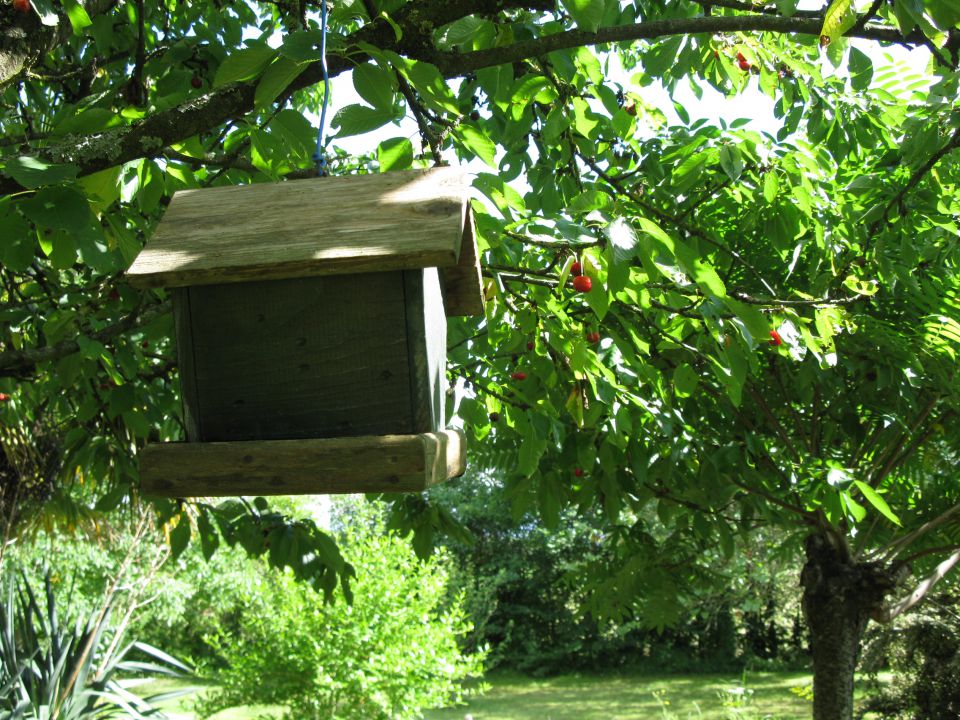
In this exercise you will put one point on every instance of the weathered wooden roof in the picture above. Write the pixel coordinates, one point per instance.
(321, 226)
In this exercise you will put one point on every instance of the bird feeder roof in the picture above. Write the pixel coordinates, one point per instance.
(321, 226)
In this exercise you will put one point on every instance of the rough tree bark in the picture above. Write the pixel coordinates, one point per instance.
(24, 40)
(839, 597)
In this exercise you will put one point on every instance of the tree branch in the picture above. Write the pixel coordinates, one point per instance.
(24, 40)
(455, 64)
(888, 613)
(116, 146)
(17, 363)
(895, 548)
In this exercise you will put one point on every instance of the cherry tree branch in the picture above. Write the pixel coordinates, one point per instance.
(888, 613)
(416, 20)
(456, 64)
(17, 363)
(895, 548)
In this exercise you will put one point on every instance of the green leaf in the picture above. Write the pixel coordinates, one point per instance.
(531, 450)
(360, 119)
(78, 17)
(302, 46)
(57, 208)
(685, 380)
(375, 85)
(840, 17)
(708, 280)
(395, 154)
(856, 510)
(731, 161)
(588, 14)
(180, 537)
(18, 245)
(90, 349)
(771, 186)
(479, 144)
(861, 69)
(275, 80)
(32, 172)
(244, 64)
(588, 201)
(101, 188)
(295, 131)
(88, 121)
(585, 120)
(874, 498)
(431, 85)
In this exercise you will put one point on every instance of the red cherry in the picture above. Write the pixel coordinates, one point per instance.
(196, 82)
(630, 109)
(578, 472)
(743, 62)
(518, 376)
(114, 294)
(775, 338)
(531, 345)
(582, 283)
(145, 344)
(4, 397)
(21, 5)
(593, 338)
(576, 269)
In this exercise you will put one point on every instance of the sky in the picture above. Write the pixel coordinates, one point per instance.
(712, 106)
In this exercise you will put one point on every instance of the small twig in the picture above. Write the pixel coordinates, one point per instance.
(550, 243)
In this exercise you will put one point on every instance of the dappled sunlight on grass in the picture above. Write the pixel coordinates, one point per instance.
(765, 696)
(590, 697)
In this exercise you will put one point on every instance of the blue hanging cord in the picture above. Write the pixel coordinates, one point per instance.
(319, 157)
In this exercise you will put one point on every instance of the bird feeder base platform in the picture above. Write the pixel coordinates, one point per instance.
(367, 464)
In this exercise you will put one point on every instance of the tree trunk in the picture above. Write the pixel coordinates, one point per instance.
(839, 596)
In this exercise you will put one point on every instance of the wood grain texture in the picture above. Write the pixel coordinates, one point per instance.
(463, 286)
(300, 358)
(300, 228)
(392, 463)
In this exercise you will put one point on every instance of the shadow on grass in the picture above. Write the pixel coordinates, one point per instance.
(768, 696)
(678, 697)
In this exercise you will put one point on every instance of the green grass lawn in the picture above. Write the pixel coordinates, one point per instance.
(631, 697)
(591, 697)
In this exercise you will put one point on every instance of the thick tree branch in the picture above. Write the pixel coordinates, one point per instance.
(146, 139)
(18, 363)
(888, 613)
(24, 40)
(455, 64)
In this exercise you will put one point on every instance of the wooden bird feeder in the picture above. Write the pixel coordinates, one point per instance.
(311, 333)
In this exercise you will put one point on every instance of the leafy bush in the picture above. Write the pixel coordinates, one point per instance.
(52, 671)
(529, 592)
(923, 650)
(388, 656)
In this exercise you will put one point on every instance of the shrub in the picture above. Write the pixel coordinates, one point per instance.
(923, 650)
(388, 656)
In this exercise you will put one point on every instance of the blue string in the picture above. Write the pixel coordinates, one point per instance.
(319, 156)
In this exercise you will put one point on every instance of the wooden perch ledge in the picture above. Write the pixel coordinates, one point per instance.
(368, 464)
